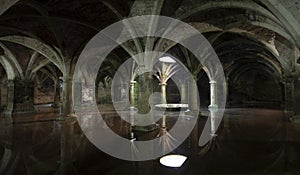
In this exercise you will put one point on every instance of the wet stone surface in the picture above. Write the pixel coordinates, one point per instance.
(249, 141)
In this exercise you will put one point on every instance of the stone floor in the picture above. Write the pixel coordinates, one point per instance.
(249, 141)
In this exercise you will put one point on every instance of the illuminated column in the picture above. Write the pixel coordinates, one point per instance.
(131, 115)
(132, 101)
(145, 91)
(213, 107)
(164, 124)
(183, 94)
(164, 75)
(213, 94)
(214, 121)
(163, 87)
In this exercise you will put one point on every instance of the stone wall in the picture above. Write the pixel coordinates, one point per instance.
(3, 96)
(43, 95)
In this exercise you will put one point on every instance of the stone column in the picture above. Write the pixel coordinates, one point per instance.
(164, 121)
(213, 108)
(67, 99)
(145, 91)
(290, 99)
(78, 88)
(213, 94)
(57, 102)
(289, 94)
(225, 90)
(297, 96)
(131, 96)
(163, 87)
(145, 81)
(10, 97)
(193, 98)
(214, 123)
(183, 95)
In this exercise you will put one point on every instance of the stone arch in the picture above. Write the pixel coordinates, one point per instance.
(200, 7)
(266, 53)
(286, 18)
(238, 85)
(10, 72)
(39, 47)
(276, 12)
(6, 4)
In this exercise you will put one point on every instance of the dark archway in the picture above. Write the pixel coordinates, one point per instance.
(203, 89)
(254, 87)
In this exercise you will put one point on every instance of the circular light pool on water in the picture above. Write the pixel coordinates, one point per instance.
(173, 161)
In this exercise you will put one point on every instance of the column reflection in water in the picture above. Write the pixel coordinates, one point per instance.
(28, 145)
(10, 97)
(255, 144)
(6, 144)
(259, 142)
(214, 121)
(66, 147)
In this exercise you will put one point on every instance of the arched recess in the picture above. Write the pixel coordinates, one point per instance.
(254, 85)
(272, 11)
(199, 70)
(46, 88)
(203, 89)
(229, 43)
(285, 17)
(51, 56)
(256, 15)
(26, 69)
(239, 54)
(39, 46)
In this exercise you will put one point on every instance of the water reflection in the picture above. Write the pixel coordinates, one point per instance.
(248, 141)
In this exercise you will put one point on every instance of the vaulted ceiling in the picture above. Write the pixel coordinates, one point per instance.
(47, 36)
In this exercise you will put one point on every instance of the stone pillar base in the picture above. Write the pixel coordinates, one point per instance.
(68, 117)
